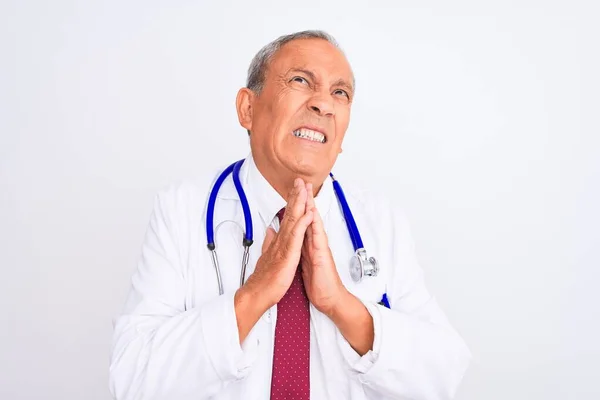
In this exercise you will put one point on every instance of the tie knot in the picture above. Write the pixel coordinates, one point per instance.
(280, 214)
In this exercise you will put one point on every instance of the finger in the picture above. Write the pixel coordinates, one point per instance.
(268, 239)
(310, 204)
(308, 240)
(305, 271)
(296, 236)
(308, 236)
(319, 236)
(310, 199)
(296, 206)
(304, 251)
(293, 193)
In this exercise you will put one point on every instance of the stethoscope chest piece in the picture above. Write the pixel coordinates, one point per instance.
(361, 265)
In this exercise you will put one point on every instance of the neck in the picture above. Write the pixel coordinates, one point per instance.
(284, 182)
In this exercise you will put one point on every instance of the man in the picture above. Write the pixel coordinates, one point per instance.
(299, 327)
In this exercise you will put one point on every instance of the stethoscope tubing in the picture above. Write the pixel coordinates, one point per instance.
(234, 170)
(357, 242)
(360, 257)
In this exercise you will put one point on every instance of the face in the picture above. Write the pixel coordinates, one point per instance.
(299, 119)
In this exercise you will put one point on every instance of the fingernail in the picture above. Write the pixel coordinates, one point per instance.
(296, 182)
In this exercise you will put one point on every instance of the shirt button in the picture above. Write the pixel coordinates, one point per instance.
(267, 315)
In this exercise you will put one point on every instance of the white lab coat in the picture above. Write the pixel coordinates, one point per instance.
(177, 338)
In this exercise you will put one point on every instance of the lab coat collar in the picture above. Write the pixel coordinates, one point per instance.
(227, 190)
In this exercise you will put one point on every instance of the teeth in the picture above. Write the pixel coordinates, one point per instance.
(310, 135)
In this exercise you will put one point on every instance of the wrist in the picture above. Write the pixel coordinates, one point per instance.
(247, 311)
(252, 299)
(340, 307)
(355, 323)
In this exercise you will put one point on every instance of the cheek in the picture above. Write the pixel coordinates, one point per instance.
(291, 102)
(342, 120)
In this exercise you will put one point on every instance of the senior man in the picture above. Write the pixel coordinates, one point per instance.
(311, 316)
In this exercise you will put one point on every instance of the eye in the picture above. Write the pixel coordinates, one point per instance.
(340, 92)
(300, 79)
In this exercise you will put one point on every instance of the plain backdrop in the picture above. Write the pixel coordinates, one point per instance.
(482, 119)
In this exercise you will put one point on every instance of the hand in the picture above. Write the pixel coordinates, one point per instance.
(276, 267)
(324, 287)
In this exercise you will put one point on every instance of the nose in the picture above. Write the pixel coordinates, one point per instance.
(322, 105)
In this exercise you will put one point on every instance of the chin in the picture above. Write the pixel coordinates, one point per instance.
(307, 167)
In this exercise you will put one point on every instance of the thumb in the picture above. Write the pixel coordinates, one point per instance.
(268, 238)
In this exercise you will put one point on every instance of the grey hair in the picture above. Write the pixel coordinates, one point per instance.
(260, 62)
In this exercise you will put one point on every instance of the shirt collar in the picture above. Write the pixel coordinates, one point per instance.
(268, 202)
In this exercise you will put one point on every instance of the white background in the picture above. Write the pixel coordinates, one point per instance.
(481, 119)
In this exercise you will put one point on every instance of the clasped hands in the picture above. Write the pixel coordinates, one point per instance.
(301, 238)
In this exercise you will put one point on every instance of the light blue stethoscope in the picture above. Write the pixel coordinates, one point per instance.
(360, 265)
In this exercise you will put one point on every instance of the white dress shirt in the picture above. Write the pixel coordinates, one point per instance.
(177, 338)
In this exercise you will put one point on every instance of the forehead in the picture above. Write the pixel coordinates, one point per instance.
(317, 55)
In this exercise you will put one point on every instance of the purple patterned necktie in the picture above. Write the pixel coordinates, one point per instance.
(291, 355)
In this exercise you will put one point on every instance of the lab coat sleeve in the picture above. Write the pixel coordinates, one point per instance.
(161, 348)
(416, 353)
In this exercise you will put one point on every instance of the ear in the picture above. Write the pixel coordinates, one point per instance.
(243, 105)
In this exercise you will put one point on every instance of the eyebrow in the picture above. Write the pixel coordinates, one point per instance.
(340, 82)
(344, 84)
(310, 74)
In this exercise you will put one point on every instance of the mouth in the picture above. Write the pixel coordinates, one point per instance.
(310, 134)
